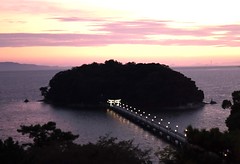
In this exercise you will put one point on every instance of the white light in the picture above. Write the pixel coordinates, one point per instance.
(159, 123)
(146, 117)
(131, 110)
(143, 112)
(185, 135)
(141, 115)
(152, 119)
(176, 126)
(168, 123)
(166, 126)
(138, 110)
(149, 114)
(155, 116)
(161, 119)
(134, 108)
(175, 131)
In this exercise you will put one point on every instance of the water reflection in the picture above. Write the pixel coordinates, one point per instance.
(138, 131)
(147, 140)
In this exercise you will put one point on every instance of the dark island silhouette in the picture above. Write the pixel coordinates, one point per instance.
(149, 86)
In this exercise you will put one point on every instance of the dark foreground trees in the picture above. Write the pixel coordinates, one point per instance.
(210, 146)
(53, 146)
(233, 121)
(11, 152)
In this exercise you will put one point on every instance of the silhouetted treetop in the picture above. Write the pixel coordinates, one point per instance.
(142, 85)
(233, 121)
(54, 146)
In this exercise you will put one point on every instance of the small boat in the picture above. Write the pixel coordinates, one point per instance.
(212, 102)
(26, 100)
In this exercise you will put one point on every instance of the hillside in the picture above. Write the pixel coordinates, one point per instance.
(151, 86)
(11, 66)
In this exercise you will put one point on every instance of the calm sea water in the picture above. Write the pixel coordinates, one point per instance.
(217, 84)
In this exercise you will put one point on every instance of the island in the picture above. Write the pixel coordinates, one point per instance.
(148, 86)
(11, 66)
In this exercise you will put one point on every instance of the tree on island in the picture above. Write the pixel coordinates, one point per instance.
(151, 86)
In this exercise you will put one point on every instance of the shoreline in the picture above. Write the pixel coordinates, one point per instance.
(191, 106)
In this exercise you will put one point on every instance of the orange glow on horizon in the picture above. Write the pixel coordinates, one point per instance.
(75, 32)
(73, 56)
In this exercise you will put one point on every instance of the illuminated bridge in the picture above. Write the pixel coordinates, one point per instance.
(149, 122)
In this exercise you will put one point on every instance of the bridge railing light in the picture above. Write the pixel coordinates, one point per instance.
(159, 123)
(176, 129)
(152, 119)
(146, 116)
(185, 131)
(149, 114)
(155, 117)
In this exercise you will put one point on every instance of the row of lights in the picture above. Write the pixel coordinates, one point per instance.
(168, 124)
(147, 116)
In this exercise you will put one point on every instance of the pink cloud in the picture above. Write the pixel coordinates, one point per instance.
(76, 19)
(127, 32)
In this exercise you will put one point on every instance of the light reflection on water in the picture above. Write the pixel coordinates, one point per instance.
(90, 125)
(217, 84)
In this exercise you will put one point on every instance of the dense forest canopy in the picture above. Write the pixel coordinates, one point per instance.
(141, 85)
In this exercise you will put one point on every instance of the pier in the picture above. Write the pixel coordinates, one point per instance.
(149, 122)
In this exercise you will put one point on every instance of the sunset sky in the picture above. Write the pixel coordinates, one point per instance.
(75, 32)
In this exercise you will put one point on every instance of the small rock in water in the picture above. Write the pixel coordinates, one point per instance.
(26, 100)
(213, 102)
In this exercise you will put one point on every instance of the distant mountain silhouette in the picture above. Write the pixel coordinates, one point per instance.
(11, 66)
